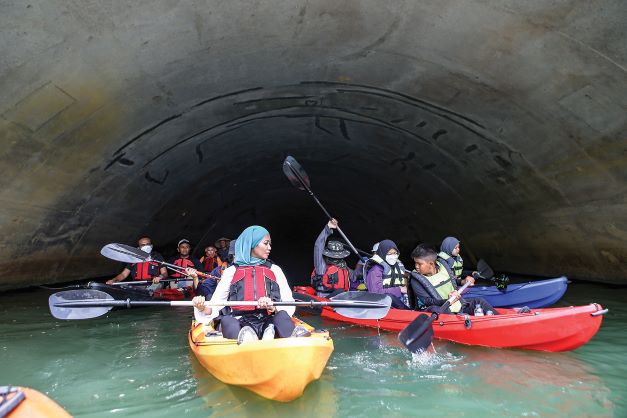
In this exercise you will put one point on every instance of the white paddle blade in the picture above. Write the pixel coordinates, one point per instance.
(124, 253)
(60, 312)
(363, 312)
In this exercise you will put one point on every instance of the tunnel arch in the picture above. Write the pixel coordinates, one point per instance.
(501, 123)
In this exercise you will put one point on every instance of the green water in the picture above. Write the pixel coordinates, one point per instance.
(137, 363)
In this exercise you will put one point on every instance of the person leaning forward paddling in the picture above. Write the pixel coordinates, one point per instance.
(147, 270)
(239, 283)
(433, 282)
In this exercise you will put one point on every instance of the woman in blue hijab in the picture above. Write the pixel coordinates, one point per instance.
(252, 278)
(449, 255)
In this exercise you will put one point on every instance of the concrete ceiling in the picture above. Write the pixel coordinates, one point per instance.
(500, 122)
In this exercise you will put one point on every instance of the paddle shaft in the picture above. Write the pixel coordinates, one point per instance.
(92, 303)
(139, 256)
(434, 315)
(326, 212)
(145, 282)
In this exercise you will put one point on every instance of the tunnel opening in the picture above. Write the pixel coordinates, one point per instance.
(383, 162)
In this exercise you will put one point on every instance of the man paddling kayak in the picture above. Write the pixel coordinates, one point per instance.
(147, 270)
(433, 282)
(251, 278)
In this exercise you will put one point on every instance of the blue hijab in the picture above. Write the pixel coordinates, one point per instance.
(448, 245)
(247, 240)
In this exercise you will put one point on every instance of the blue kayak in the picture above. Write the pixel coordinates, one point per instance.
(538, 294)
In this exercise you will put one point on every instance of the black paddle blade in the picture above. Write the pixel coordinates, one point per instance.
(383, 305)
(311, 310)
(418, 335)
(295, 173)
(124, 253)
(484, 269)
(56, 300)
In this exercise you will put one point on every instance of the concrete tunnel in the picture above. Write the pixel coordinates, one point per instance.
(497, 121)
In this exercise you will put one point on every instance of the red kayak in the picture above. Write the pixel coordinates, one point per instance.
(548, 329)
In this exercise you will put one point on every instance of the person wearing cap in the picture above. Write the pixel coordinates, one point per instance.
(331, 274)
(252, 278)
(449, 255)
(386, 273)
(222, 245)
(184, 260)
(147, 270)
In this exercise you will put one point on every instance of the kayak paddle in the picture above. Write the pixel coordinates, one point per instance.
(146, 282)
(90, 303)
(127, 254)
(486, 272)
(299, 179)
(418, 335)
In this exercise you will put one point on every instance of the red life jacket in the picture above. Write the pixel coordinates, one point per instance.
(252, 282)
(334, 278)
(209, 263)
(145, 271)
(182, 262)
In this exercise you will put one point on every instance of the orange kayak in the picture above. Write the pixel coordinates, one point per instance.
(20, 402)
(278, 369)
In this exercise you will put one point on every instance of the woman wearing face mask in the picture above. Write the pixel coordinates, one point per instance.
(147, 270)
(251, 278)
(386, 274)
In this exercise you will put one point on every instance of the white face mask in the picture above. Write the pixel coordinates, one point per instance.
(391, 259)
(146, 248)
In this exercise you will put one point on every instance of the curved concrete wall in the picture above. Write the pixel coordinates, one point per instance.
(501, 122)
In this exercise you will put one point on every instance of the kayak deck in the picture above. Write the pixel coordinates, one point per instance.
(534, 294)
(278, 369)
(548, 329)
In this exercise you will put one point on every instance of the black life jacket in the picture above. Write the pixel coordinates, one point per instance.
(429, 287)
(332, 279)
(250, 283)
(392, 276)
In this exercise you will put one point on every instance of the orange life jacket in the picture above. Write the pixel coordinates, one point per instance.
(209, 263)
(252, 282)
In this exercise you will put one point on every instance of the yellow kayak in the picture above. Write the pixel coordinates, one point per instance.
(278, 369)
(21, 402)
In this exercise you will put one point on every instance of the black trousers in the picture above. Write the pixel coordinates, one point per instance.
(469, 305)
(397, 303)
(283, 324)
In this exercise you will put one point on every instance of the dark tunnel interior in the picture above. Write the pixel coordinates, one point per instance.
(385, 164)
